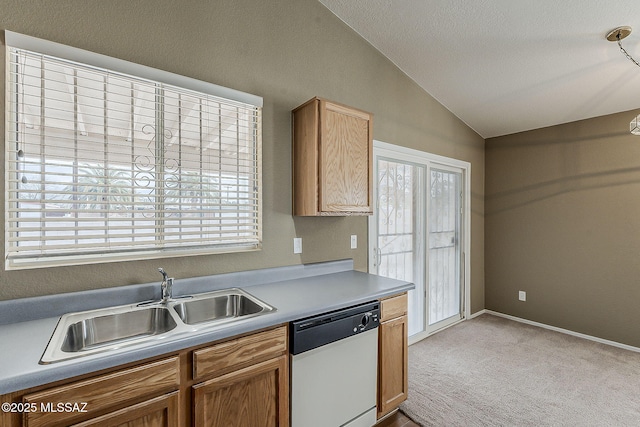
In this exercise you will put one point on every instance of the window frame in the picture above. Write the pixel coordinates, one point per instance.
(139, 72)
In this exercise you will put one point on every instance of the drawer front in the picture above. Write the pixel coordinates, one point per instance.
(393, 307)
(228, 355)
(95, 395)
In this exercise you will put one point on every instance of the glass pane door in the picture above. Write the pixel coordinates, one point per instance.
(400, 230)
(445, 303)
(419, 232)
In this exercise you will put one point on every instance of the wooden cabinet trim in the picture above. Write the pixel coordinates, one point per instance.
(346, 110)
(393, 307)
(105, 391)
(305, 132)
(228, 355)
(9, 419)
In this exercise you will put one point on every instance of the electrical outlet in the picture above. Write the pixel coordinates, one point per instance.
(297, 245)
(354, 241)
(522, 295)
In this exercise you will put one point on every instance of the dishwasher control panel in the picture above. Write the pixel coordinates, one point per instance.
(368, 320)
(316, 331)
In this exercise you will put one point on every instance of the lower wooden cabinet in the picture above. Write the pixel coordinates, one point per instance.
(253, 396)
(243, 381)
(392, 354)
(248, 382)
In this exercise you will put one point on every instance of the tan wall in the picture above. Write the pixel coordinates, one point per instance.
(286, 51)
(563, 224)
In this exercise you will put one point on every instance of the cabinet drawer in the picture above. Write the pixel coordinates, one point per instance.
(231, 354)
(393, 307)
(95, 395)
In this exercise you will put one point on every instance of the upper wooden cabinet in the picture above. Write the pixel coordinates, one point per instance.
(332, 159)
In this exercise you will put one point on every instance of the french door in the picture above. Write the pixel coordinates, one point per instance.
(419, 232)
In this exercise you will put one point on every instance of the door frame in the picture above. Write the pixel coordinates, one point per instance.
(410, 155)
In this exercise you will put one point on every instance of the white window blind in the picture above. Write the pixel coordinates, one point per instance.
(104, 166)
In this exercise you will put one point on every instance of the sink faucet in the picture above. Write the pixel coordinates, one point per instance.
(166, 286)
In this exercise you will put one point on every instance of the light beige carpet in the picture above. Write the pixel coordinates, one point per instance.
(490, 371)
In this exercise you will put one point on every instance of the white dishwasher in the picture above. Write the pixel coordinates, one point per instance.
(334, 359)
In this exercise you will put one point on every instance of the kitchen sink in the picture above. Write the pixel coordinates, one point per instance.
(117, 328)
(220, 307)
(89, 332)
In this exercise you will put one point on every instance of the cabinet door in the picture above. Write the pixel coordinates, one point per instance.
(254, 396)
(392, 376)
(345, 159)
(159, 412)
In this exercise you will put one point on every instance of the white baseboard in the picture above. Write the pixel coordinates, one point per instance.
(556, 329)
(478, 313)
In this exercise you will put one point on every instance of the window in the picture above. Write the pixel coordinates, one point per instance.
(106, 165)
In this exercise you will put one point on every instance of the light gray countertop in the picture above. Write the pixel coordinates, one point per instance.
(296, 292)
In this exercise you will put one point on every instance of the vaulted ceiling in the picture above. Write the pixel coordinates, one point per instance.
(505, 66)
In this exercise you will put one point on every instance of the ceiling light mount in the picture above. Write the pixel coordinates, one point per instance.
(616, 35)
(619, 33)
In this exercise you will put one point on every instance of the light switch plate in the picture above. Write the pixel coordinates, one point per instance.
(354, 241)
(522, 295)
(297, 245)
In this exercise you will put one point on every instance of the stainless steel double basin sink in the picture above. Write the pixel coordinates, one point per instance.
(89, 332)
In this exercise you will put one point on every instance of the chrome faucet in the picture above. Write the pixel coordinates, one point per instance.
(166, 286)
